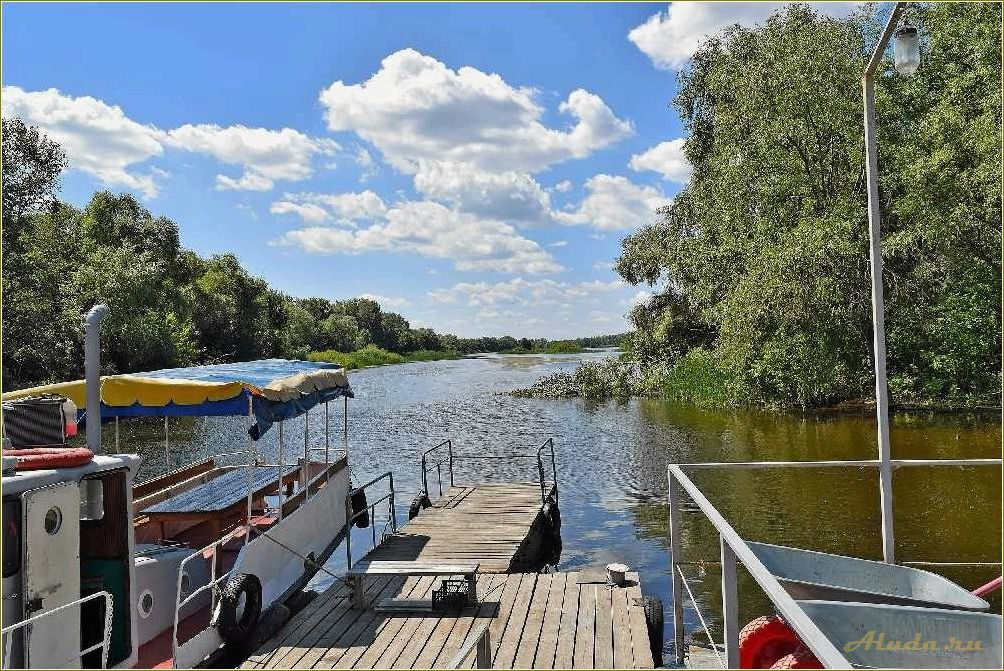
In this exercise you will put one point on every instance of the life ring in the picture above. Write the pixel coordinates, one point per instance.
(802, 658)
(43, 458)
(764, 641)
(240, 608)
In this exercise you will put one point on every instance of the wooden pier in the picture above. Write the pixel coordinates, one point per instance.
(496, 525)
(534, 620)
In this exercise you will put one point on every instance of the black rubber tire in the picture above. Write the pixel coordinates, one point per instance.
(359, 505)
(654, 620)
(240, 632)
(553, 514)
(420, 503)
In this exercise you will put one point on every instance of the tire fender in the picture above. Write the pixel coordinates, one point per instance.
(238, 629)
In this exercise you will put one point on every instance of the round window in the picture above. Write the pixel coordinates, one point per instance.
(53, 521)
(146, 603)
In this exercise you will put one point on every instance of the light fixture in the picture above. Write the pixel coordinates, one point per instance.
(907, 56)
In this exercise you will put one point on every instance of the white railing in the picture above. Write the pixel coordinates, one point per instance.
(6, 632)
(734, 549)
(212, 585)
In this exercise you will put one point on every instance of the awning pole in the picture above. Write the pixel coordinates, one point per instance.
(116, 434)
(306, 453)
(282, 468)
(326, 459)
(345, 425)
(247, 475)
(167, 445)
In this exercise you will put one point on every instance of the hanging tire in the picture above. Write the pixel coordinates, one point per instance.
(359, 505)
(764, 641)
(420, 503)
(553, 515)
(654, 621)
(240, 609)
(802, 658)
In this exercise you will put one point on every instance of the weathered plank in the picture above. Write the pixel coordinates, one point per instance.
(548, 638)
(603, 647)
(585, 628)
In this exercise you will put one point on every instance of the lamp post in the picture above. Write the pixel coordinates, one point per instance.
(907, 58)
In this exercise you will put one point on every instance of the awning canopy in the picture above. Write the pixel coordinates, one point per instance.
(274, 389)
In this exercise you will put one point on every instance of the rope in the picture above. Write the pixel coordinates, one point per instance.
(707, 632)
(310, 561)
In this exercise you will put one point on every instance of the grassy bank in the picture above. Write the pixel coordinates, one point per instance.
(556, 347)
(371, 355)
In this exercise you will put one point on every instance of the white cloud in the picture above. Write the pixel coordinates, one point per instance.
(343, 208)
(387, 301)
(522, 292)
(615, 203)
(559, 243)
(102, 141)
(670, 38)
(99, 139)
(564, 186)
(509, 196)
(309, 212)
(665, 158)
(542, 307)
(265, 155)
(415, 108)
(603, 265)
(432, 230)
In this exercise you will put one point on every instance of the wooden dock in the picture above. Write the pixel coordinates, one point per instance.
(495, 525)
(537, 620)
(534, 620)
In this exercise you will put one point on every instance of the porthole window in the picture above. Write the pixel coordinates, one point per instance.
(145, 603)
(53, 521)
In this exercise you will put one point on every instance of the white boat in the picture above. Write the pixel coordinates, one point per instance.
(99, 571)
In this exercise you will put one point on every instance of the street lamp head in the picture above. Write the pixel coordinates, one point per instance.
(907, 52)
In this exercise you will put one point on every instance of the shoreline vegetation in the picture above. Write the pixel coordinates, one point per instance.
(758, 271)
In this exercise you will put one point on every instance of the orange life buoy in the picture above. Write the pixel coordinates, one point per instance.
(41, 458)
(802, 658)
(764, 641)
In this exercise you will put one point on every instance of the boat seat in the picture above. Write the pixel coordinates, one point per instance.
(222, 492)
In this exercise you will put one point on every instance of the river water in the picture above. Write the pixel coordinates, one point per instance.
(611, 463)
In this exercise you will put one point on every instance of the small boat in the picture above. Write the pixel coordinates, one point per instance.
(909, 637)
(101, 572)
(810, 575)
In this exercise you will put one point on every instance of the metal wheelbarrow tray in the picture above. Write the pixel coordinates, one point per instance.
(908, 637)
(820, 576)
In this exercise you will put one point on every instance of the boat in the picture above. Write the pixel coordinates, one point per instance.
(186, 567)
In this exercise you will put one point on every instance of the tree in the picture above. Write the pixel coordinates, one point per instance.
(764, 254)
(32, 165)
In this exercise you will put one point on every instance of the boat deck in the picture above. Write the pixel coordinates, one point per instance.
(537, 620)
(491, 524)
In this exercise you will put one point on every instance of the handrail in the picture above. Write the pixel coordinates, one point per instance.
(538, 456)
(439, 470)
(103, 644)
(350, 517)
(734, 548)
(480, 639)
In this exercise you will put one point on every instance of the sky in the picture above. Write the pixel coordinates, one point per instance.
(473, 167)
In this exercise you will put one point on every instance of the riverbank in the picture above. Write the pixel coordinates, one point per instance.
(371, 355)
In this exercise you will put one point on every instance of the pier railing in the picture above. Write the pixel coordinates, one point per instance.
(370, 509)
(733, 550)
(442, 455)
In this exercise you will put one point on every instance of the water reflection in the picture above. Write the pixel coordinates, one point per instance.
(612, 460)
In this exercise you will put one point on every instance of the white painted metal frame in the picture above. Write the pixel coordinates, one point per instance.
(734, 548)
(6, 632)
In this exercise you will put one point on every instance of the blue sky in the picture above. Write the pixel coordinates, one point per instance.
(472, 165)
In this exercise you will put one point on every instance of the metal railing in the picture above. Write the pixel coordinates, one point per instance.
(479, 642)
(734, 549)
(5, 633)
(350, 517)
(451, 458)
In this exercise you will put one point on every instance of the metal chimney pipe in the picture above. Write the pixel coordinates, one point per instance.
(92, 375)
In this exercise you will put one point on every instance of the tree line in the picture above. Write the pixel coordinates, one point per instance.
(170, 306)
(761, 261)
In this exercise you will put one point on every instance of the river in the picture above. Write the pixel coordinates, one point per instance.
(611, 463)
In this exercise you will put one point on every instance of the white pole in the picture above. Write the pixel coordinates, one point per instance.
(92, 376)
(247, 475)
(304, 475)
(326, 458)
(345, 425)
(878, 301)
(281, 468)
(167, 445)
